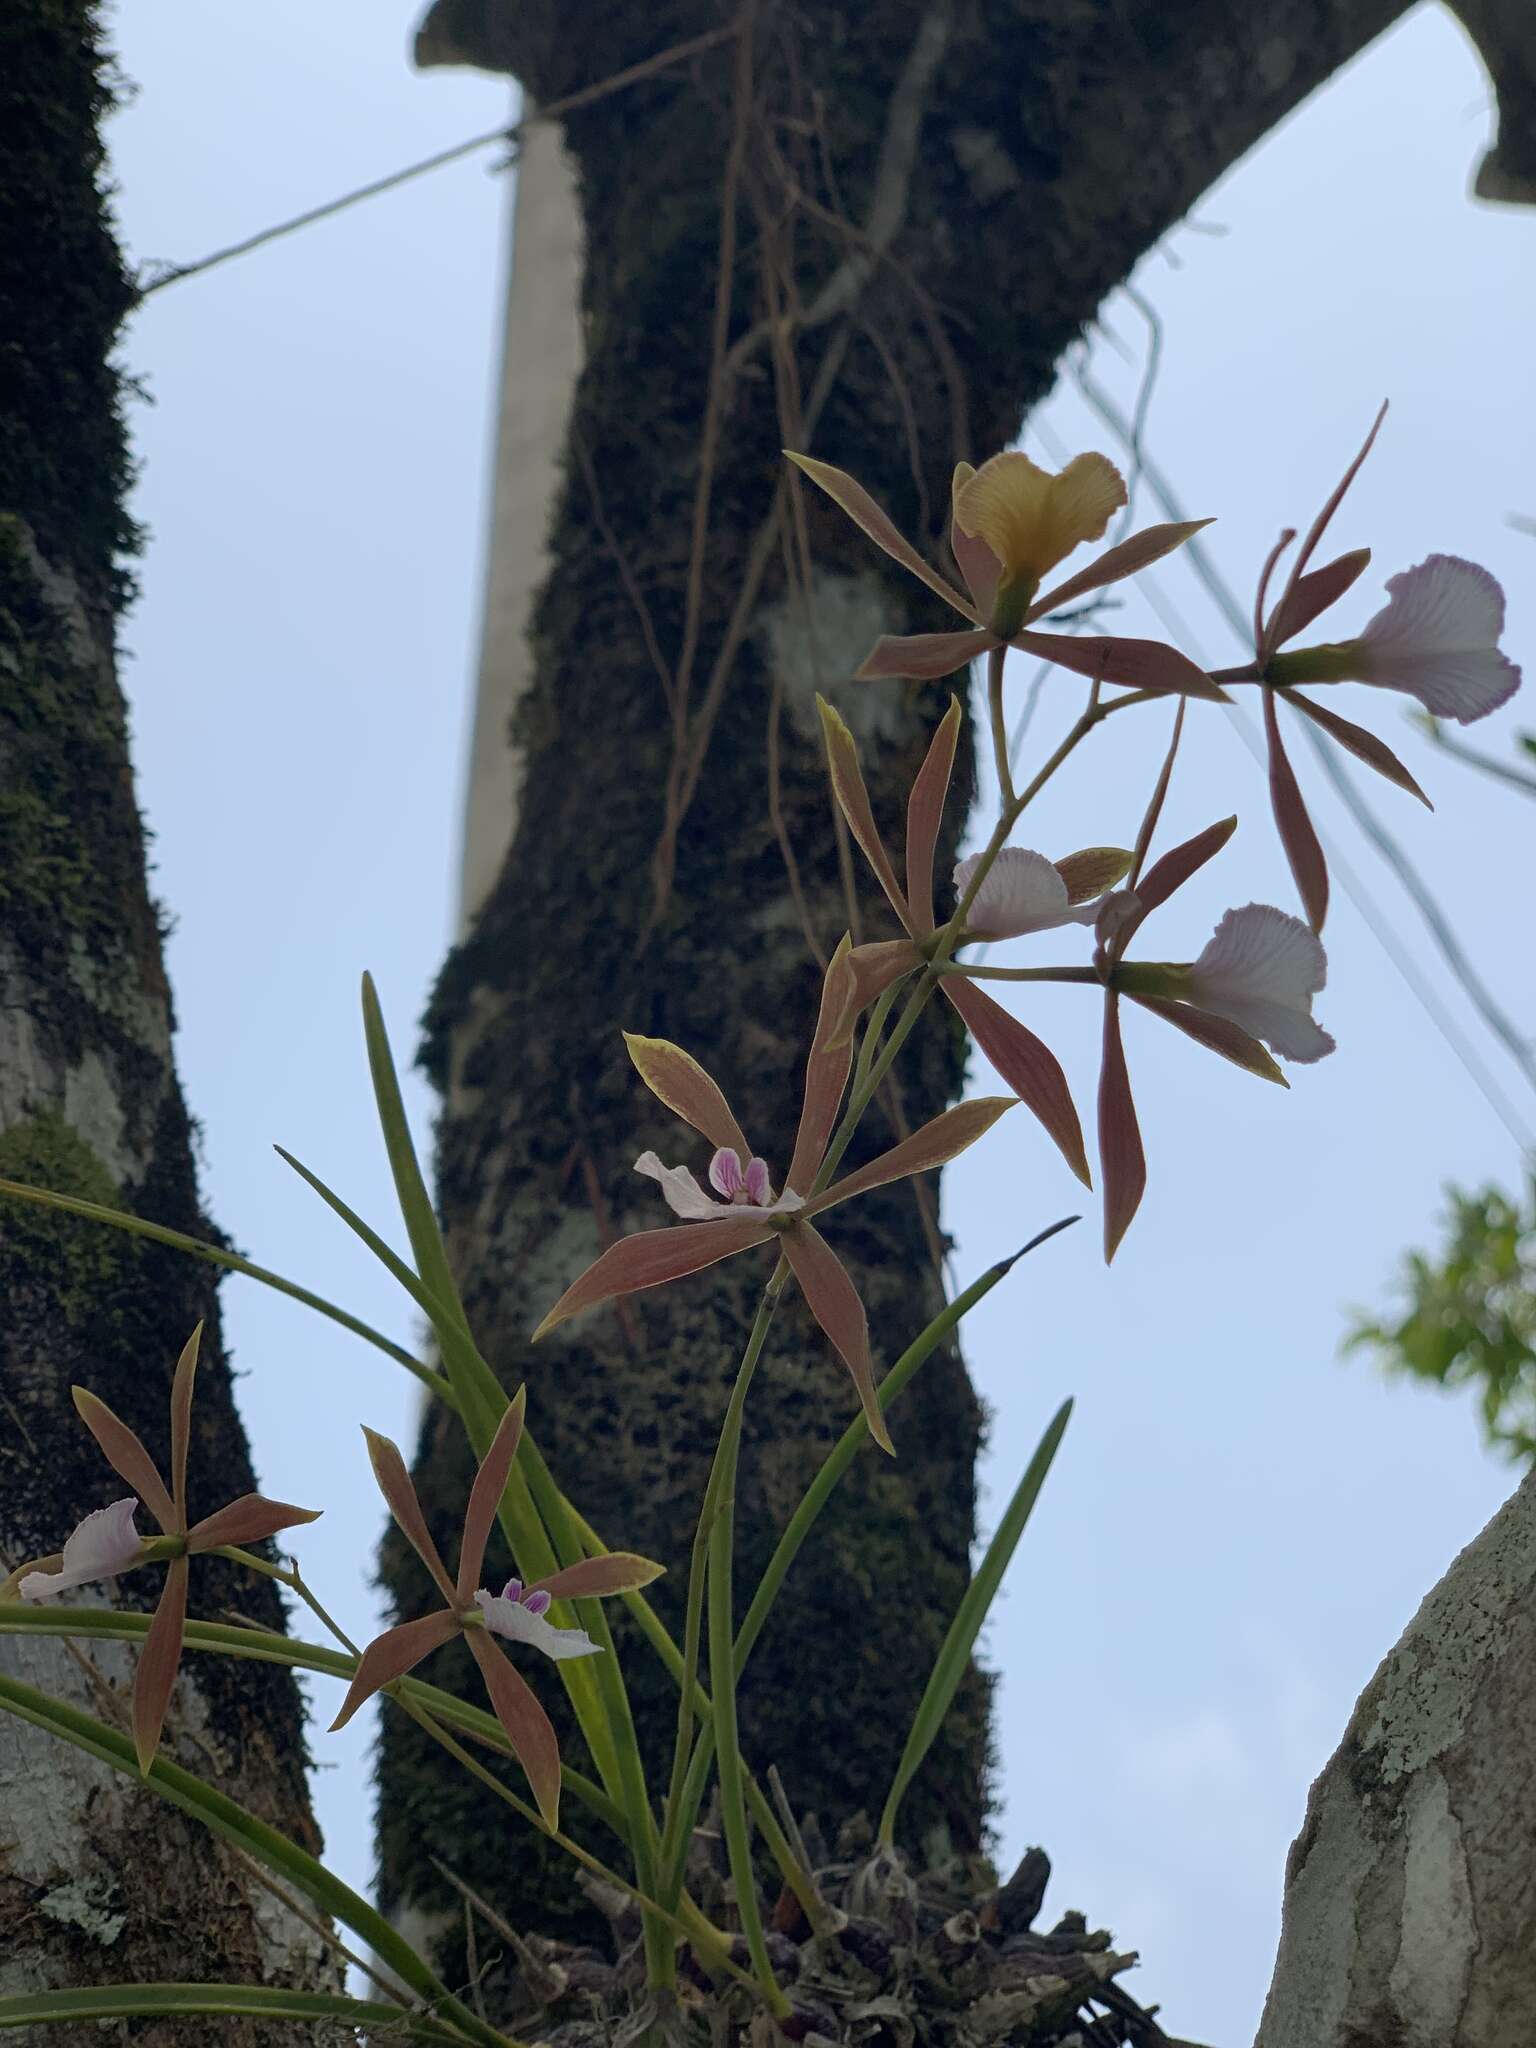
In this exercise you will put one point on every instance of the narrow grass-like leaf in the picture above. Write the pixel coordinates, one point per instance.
(955, 1653)
(257, 2001)
(218, 1255)
(225, 1818)
(416, 1208)
(856, 1435)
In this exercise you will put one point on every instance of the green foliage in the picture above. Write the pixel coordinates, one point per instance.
(1470, 1318)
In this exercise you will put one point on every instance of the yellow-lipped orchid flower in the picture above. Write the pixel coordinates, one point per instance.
(1029, 520)
(1018, 522)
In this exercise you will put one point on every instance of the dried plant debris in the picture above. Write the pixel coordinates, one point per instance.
(941, 1957)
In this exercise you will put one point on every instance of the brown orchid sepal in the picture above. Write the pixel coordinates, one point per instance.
(106, 1544)
(516, 1614)
(744, 1212)
(1023, 1060)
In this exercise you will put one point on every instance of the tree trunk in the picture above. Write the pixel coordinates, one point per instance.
(100, 1881)
(1410, 1893)
(927, 203)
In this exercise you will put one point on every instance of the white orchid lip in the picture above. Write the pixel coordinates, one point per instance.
(685, 1198)
(1022, 892)
(521, 1622)
(105, 1544)
(1260, 970)
(1436, 639)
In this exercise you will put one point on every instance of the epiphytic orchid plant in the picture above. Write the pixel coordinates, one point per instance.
(1247, 996)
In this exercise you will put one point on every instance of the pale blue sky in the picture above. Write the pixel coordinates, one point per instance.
(1239, 1525)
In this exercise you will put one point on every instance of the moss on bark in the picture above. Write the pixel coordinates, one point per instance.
(104, 1882)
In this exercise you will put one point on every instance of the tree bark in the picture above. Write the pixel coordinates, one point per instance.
(100, 1881)
(1410, 1893)
(931, 202)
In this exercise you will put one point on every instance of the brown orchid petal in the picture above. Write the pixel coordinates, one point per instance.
(250, 1519)
(1356, 740)
(527, 1726)
(1219, 1034)
(973, 558)
(1319, 525)
(1122, 1161)
(1143, 664)
(925, 811)
(941, 1139)
(1297, 835)
(1313, 593)
(1148, 825)
(1176, 866)
(920, 657)
(127, 1457)
(881, 528)
(485, 1495)
(834, 1301)
(1029, 1067)
(395, 1484)
(158, 1660)
(650, 1258)
(1125, 558)
(1263, 643)
(181, 1421)
(877, 965)
(594, 1578)
(1093, 870)
(826, 1068)
(393, 1654)
(676, 1078)
(853, 802)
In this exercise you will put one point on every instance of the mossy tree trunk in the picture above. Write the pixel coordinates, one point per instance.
(932, 201)
(99, 1880)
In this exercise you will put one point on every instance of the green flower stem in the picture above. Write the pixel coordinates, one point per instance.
(852, 1441)
(996, 656)
(290, 1577)
(720, 1511)
(1082, 975)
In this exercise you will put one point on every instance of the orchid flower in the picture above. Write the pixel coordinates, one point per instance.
(516, 1613)
(713, 1231)
(1254, 981)
(106, 1544)
(1436, 639)
(1011, 524)
(1024, 1061)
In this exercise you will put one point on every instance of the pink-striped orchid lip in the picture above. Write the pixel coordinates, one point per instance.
(747, 1190)
(521, 1618)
